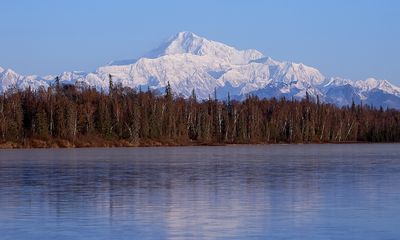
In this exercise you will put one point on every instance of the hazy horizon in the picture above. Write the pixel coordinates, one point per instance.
(355, 40)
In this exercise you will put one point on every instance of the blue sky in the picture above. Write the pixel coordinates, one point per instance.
(353, 39)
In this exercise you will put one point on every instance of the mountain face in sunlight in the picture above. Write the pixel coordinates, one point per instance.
(189, 62)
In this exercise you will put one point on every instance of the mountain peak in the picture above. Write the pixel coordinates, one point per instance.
(372, 83)
(185, 35)
(190, 43)
(1, 69)
(9, 72)
(180, 43)
(186, 42)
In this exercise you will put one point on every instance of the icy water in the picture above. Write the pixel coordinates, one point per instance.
(233, 192)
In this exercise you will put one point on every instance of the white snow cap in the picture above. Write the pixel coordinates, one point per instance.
(190, 43)
(190, 62)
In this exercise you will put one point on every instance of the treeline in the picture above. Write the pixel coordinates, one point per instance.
(72, 116)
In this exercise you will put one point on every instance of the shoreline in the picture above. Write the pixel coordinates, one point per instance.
(64, 144)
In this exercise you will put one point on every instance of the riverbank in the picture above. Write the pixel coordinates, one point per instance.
(87, 142)
(102, 143)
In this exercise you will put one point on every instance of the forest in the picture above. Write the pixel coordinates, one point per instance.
(79, 116)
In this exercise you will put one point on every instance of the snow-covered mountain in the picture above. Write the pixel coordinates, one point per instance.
(190, 62)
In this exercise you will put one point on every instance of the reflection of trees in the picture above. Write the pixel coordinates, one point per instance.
(186, 190)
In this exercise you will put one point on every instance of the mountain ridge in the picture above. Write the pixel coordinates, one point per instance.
(189, 62)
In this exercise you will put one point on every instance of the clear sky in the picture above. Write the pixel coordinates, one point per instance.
(349, 38)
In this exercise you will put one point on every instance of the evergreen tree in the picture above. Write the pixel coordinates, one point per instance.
(193, 96)
(110, 83)
(168, 92)
(57, 83)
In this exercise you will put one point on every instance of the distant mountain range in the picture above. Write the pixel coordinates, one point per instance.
(190, 62)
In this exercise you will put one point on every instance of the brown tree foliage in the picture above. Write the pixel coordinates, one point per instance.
(79, 116)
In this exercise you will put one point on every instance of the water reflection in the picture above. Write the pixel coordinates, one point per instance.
(241, 192)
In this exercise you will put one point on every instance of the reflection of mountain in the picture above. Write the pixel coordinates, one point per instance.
(190, 62)
(185, 192)
(181, 193)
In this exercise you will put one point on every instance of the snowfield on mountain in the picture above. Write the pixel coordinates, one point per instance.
(189, 62)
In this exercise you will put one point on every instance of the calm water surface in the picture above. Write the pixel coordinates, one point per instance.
(233, 192)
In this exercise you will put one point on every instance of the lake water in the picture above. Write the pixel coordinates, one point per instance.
(232, 192)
